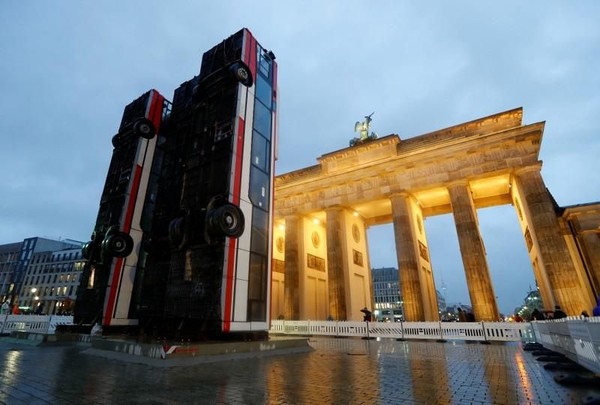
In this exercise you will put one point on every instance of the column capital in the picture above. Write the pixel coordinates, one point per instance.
(335, 207)
(292, 217)
(456, 183)
(403, 194)
(537, 167)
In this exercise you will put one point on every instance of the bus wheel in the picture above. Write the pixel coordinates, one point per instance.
(86, 250)
(176, 231)
(196, 93)
(227, 220)
(94, 236)
(118, 244)
(117, 141)
(144, 128)
(241, 72)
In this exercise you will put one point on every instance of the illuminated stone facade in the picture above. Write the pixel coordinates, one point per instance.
(322, 213)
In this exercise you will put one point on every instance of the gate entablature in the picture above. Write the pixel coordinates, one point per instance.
(422, 165)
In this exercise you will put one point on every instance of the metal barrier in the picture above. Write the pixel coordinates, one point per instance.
(463, 331)
(576, 337)
(475, 331)
(45, 324)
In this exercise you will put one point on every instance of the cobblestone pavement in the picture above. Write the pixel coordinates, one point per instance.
(337, 371)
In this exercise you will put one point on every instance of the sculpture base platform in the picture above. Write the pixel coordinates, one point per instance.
(168, 354)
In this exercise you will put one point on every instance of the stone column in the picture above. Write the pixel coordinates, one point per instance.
(545, 230)
(291, 291)
(408, 263)
(336, 259)
(591, 244)
(473, 253)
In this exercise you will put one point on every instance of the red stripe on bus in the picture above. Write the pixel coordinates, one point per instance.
(135, 186)
(159, 113)
(116, 277)
(236, 191)
(157, 107)
(249, 56)
(237, 163)
(229, 285)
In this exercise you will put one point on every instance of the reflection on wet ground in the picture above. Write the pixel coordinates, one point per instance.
(337, 371)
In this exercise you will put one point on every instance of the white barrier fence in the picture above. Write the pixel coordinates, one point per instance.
(475, 331)
(45, 324)
(576, 338)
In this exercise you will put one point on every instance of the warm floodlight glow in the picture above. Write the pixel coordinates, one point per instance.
(316, 221)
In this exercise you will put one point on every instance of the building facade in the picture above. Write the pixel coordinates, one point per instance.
(386, 294)
(40, 275)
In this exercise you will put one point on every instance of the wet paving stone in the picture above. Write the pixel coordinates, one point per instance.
(337, 371)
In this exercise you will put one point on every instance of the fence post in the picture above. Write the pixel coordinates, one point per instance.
(50, 326)
(367, 337)
(485, 339)
(441, 339)
(401, 338)
(4, 323)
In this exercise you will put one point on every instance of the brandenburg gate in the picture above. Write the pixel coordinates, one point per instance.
(321, 262)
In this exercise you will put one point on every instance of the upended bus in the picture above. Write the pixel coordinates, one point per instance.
(215, 201)
(114, 253)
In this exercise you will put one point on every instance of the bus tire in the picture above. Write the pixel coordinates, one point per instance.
(118, 244)
(176, 231)
(117, 141)
(241, 72)
(86, 250)
(226, 220)
(144, 128)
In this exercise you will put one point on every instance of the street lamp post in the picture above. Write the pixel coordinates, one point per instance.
(402, 309)
(34, 300)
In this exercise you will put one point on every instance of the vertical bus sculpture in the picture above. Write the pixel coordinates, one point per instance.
(215, 200)
(114, 252)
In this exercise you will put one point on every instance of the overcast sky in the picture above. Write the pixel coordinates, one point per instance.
(67, 69)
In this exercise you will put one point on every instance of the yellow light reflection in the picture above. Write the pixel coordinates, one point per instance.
(526, 385)
(12, 366)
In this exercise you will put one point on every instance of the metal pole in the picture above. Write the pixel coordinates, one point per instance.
(5, 318)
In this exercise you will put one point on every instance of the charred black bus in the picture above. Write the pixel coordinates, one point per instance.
(114, 252)
(215, 201)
